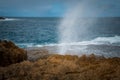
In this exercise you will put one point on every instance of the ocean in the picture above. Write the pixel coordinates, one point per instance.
(103, 36)
(28, 32)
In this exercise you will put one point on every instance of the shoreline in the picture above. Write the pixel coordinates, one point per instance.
(38, 64)
(79, 50)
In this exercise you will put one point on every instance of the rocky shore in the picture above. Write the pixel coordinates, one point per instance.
(2, 18)
(15, 65)
(10, 53)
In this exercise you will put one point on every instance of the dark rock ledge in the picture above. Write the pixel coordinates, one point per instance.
(10, 53)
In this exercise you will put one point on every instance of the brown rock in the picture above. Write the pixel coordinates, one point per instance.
(64, 67)
(10, 53)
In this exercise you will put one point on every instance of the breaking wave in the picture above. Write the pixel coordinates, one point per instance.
(115, 40)
(8, 19)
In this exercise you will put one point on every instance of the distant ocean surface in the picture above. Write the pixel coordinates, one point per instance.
(28, 32)
(37, 32)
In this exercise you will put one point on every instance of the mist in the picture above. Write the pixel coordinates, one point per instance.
(73, 26)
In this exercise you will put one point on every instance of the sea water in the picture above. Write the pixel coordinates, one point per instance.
(39, 32)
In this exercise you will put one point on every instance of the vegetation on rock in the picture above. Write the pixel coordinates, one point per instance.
(64, 67)
(10, 53)
(53, 66)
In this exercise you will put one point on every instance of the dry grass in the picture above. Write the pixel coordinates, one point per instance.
(10, 53)
(67, 67)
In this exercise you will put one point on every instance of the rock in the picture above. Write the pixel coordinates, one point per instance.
(64, 67)
(36, 54)
(2, 18)
(10, 53)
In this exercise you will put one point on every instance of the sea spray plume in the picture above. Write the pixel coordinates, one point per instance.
(70, 26)
(67, 30)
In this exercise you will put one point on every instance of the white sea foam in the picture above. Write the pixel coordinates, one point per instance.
(95, 41)
(9, 19)
(111, 40)
(99, 46)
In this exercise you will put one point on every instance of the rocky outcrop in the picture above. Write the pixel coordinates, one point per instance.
(10, 53)
(64, 67)
(2, 18)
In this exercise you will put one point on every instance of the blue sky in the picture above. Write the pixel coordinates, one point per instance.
(57, 8)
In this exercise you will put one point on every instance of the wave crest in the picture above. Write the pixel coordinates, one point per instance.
(115, 40)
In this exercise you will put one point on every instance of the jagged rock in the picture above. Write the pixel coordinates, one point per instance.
(10, 53)
(64, 67)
